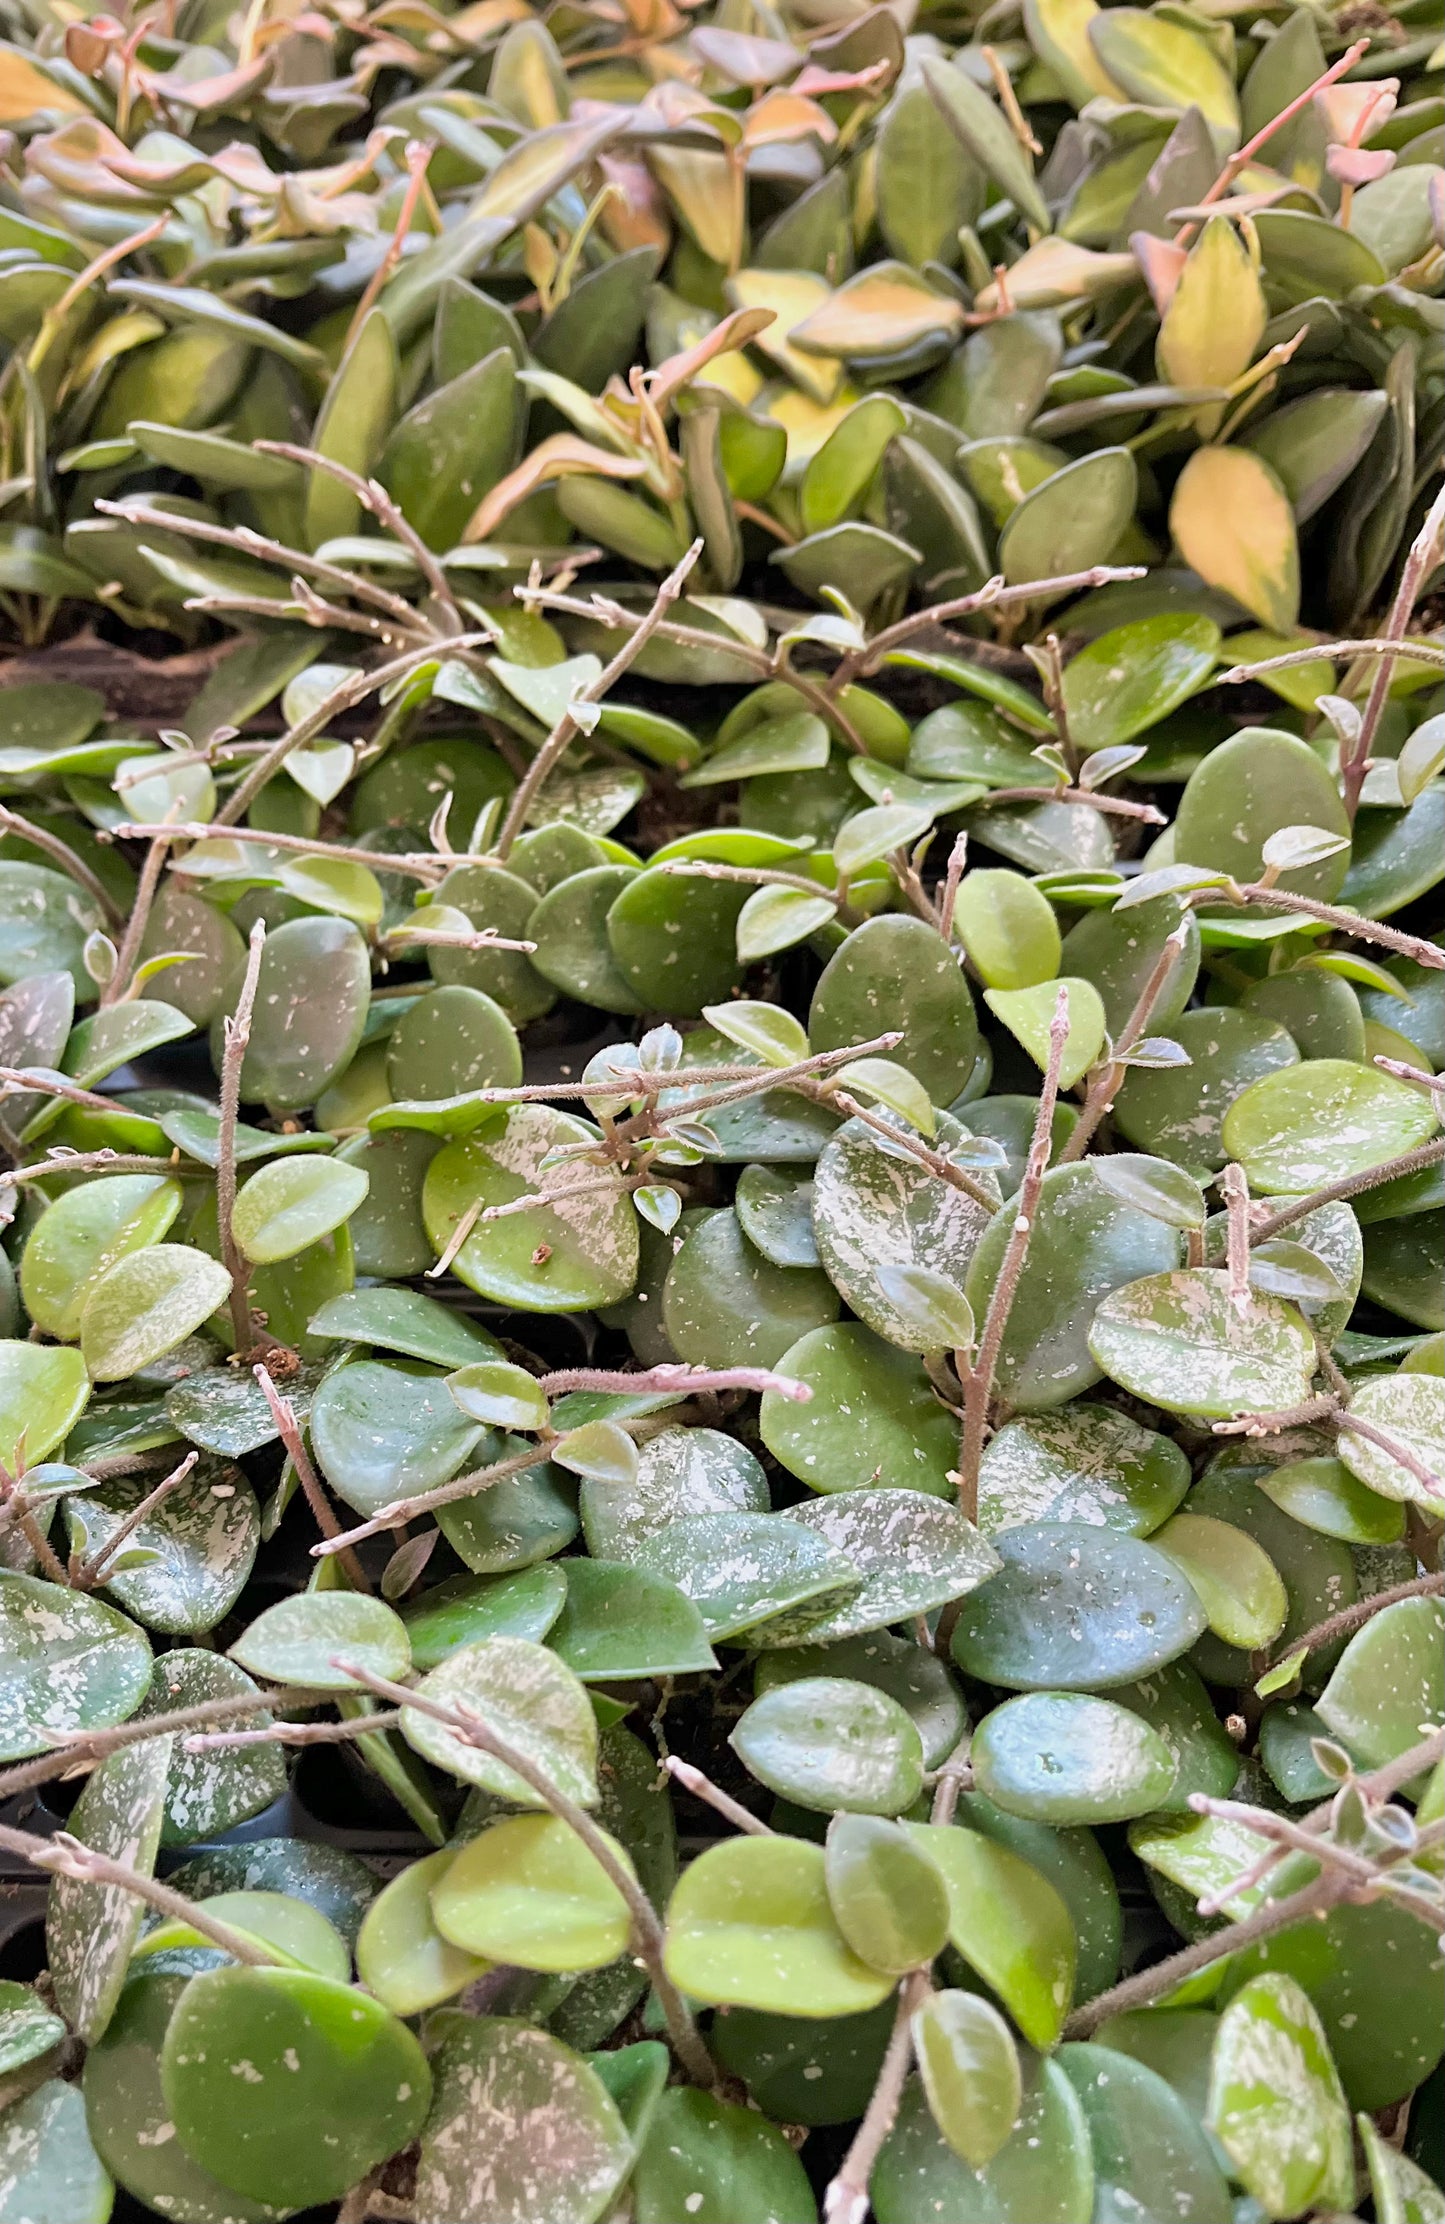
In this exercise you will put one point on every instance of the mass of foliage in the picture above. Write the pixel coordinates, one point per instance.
(721, 746)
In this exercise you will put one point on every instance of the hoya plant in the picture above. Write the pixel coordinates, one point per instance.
(722, 1008)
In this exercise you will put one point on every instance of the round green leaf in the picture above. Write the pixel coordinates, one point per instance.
(1238, 1584)
(465, 1608)
(897, 972)
(873, 1208)
(1086, 1463)
(529, 1892)
(521, 2127)
(311, 1004)
(775, 1212)
(569, 927)
(1129, 679)
(1028, 1014)
(44, 922)
(1073, 520)
(332, 2085)
(1303, 1127)
(1410, 1410)
(1275, 2103)
(1388, 1687)
(873, 1416)
(68, 1661)
(1150, 2153)
(128, 2118)
(501, 1394)
(454, 1040)
(513, 1523)
(708, 2160)
(292, 1203)
(337, 1883)
(1009, 1924)
(829, 1744)
(297, 1641)
(549, 1258)
(913, 1554)
(49, 2171)
(200, 1543)
(407, 1322)
(401, 1956)
(1044, 2170)
(1075, 1608)
(918, 1680)
(1323, 1494)
(43, 1392)
(969, 2066)
(1063, 1758)
(680, 1472)
(84, 1232)
(146, 1304)
(888, 1898)
(1183, 1342)
(750, 1923)
(296, 1934)
(620, 1623)
(523, 1693)
(1008, 930)
(384, 1429)
(800, 2071)
(725, 1305)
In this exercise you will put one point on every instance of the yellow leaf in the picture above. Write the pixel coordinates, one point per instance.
(562, 456)
(1232, 523)
(807, 424)
(706, 190)
(1059, 34)
(1215, 319)
(26, 91)
(792, 295)
(1054, 271)
(881, 312)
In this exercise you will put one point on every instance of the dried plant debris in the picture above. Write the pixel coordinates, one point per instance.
(721, 1014)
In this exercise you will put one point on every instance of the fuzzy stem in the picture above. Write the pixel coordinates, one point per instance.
(283, 1413)
(1351, 1618)
(237, 1035)
(60, 853)
(65, 1856)
(846, 2200)
(529, 787)
(702, 1787)
(86, 1574)
(445, 1494)
(674, 1376)
(1423, 550)
(1426, 652)
(128, 955)
(1104, 1083)
(1348, 922)
(1115, 806)
(80, 1748)
(1353, 1185)
(978, 1388)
